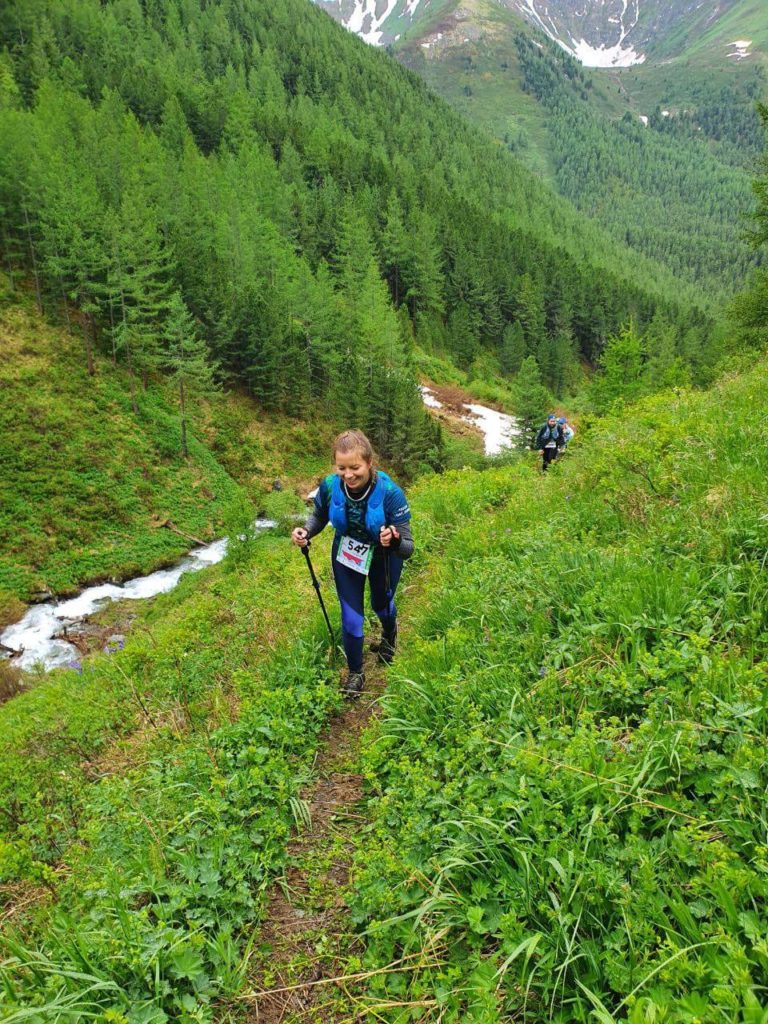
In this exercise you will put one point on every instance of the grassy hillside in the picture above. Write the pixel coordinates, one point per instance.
(696, 42)
(85, 483)
(568, 782)
(171, 774)
(132, 882)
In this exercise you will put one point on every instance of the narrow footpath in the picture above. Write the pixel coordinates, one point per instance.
(301, 964)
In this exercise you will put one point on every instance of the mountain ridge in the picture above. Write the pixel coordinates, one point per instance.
(611, 34)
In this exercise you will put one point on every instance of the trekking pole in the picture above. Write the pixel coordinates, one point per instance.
(387, 579)
(316, 585)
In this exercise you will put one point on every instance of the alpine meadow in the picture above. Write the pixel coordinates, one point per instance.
(470, 314)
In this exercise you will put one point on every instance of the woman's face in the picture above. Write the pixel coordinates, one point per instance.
(353, 468)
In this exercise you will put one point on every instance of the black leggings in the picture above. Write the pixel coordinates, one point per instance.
(550, 454)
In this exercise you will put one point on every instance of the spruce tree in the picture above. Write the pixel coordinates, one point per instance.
(621, 370)
(142, 275)
(394, 246)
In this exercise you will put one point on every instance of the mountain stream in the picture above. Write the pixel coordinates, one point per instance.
(39, 636)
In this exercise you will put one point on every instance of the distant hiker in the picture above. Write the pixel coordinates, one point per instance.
(567, 430)
(370, 514)
(549, 440)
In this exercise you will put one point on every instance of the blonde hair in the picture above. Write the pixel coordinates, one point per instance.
(353, 441)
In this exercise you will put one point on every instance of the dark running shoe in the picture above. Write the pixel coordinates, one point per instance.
(387, 646)
(353, 684)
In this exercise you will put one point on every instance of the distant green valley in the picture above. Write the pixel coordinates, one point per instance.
(660, 153)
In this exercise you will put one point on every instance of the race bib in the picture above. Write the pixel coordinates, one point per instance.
(355, 554)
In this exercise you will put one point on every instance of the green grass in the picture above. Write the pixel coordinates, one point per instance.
(134, 878)
(84, 481)
(172, 773)
(568, 782)
(745, 20)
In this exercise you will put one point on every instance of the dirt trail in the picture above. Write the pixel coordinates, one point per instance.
(306, 934)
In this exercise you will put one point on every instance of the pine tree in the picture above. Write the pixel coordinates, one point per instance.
(379, 356)
(394, 246)
(751, 308)
(425, 277)
(665, 367)
(513, 348)
(621, 370)
(563, 362)
(72, 214)
(138, 285)
(531, 315)
(461, 335)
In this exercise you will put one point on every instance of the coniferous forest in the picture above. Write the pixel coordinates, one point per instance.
(658, 186)
(299, 210)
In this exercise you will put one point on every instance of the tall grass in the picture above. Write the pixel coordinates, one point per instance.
(148, 801)
(569, 781)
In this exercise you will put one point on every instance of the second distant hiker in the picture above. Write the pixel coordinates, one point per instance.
(549, 440)
(370, 514)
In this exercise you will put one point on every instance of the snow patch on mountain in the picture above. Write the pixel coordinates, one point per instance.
(741, 48)
(597, 33)
(604, 56)
(364, 21)
(617, 56)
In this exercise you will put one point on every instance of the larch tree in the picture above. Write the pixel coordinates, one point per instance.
(531, 401)
(187, 360)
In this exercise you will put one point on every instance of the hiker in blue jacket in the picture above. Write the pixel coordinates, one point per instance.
(549, 440)
(567, 430)
(370, 514)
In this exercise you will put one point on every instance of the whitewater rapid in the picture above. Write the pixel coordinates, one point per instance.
(36, 634)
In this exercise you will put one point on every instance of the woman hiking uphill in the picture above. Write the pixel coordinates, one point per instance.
(370, 514)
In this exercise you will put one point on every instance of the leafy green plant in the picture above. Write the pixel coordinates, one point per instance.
(568, 780)
(285, 508)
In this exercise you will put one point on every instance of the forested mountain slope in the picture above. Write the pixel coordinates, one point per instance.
(308, 202)
(87, 482)
(672, 178)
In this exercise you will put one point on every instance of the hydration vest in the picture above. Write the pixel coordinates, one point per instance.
(375, 516)
(549, 433)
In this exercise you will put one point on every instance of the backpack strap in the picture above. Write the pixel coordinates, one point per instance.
(375, 516)
(337, 503)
